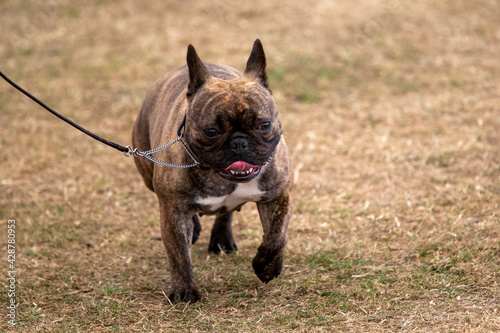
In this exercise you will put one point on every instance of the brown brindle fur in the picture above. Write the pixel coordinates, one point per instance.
(214, 96)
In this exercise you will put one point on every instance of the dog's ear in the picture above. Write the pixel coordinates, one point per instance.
(256, 65)
(198, 73)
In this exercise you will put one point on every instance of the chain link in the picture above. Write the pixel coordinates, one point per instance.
(147, 154)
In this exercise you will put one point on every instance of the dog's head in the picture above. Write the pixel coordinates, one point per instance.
(232, 122)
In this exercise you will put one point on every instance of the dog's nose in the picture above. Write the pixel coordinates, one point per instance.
(239, 145)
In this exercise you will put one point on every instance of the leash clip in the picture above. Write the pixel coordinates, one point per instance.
(131, 151)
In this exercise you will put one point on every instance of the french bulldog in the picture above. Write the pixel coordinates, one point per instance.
(231, 128)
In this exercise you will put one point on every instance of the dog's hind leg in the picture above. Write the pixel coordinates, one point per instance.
(221, 238)
(196, 228)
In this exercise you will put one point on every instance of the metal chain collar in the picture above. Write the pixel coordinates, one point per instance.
(147, 154)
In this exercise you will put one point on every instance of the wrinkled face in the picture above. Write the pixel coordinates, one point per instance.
(233, 127)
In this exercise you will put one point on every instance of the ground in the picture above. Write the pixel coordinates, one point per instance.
(390, 110)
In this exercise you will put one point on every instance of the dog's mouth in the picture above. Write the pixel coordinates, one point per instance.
(240, 171)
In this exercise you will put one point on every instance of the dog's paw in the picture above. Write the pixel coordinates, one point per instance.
(267, 267)
(222, 242)
(184, 295)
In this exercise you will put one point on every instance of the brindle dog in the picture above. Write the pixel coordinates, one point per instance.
(232, 128)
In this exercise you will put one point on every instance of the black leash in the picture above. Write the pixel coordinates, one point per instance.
(60, 116)
(127, 150)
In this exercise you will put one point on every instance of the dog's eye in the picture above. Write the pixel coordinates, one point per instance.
(264, 126)
(210, 132)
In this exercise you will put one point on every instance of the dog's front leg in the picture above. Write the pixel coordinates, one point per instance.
(177, 233)
(274, 216)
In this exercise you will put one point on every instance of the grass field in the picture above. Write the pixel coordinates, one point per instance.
(391, 110)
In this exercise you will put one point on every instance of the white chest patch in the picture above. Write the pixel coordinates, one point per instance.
(244, 192)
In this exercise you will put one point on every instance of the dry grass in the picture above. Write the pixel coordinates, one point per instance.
(391, 110)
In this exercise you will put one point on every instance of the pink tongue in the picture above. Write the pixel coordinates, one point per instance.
(240, 166)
